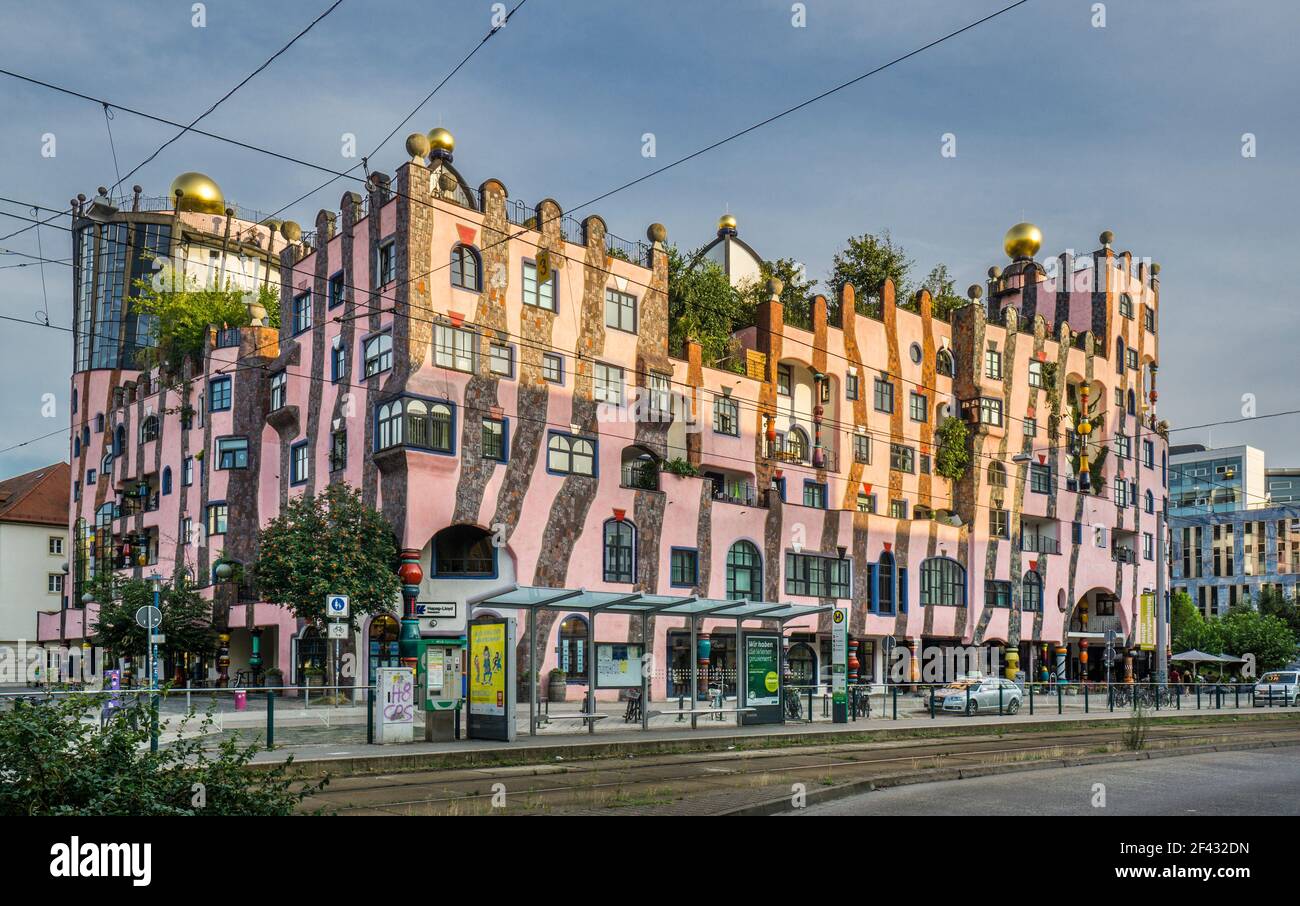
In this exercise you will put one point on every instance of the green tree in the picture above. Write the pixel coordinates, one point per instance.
(952, 458)
(1247, 631)
(796, 295)
(183, 311)
(58, 761)
(703, 306)
(186, 616)
(1189, 629)
(865, 261)
(330, 543)
(944, 299)
(1272, 602)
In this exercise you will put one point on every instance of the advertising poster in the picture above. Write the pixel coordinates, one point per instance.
(1147, 622)
(760, 681)
(487, 676)
(490, 676)
(618, 665)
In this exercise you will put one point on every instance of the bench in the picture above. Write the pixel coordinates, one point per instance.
(714, 712)
(576, 715)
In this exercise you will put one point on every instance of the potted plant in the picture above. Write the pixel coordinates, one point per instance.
(313, 676)
(274, 678)
(557, 687)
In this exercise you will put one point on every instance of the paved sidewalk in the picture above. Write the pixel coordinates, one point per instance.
(358, 755)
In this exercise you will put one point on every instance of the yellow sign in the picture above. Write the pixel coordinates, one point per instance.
(1147, 622)
(755, 365)
(543, 266)
(770, 681)
(487, 674)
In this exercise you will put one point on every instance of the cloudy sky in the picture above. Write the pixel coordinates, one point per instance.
(1136, 127)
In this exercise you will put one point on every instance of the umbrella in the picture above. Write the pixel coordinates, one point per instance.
(1198, 657)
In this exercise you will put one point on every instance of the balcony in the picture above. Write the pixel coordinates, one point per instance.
(1040, 544)
(740, 493)
(1123, 555)
(640, 476)
(795, 456)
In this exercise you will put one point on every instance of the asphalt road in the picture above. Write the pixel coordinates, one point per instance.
(1247, 782)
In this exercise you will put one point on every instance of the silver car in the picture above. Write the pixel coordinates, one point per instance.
(975, 695)
(1278, 688)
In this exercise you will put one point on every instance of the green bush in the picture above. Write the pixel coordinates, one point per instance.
(55, 760)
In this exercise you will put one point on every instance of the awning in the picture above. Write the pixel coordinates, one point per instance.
(532, 597)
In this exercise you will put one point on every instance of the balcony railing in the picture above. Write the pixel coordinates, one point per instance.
(742, 494)
(1123, 555)
(1040, 544)
(640, 476)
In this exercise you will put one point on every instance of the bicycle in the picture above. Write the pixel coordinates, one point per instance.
(792, 706)
(860, 703)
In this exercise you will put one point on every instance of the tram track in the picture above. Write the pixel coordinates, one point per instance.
(606, 782)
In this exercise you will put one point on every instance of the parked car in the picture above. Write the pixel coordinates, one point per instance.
(1278, 688)
(975, 695)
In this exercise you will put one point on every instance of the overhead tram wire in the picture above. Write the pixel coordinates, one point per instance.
(242, 82)
(589, 202)
(851, 428)
(230, 365)
(347, 174)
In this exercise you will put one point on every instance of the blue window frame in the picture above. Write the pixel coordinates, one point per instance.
(302, 312)
(336, 290)
(814, 494)
(684, 567)
(620, 551)
(465, 268)
(217, 515)
(496, 439)
(552, 368)
(167, 480)
(338, 361)
(299, 463)
(219, 394)
(572, 454)
(232, 453)
(187, 471)
(539, 295)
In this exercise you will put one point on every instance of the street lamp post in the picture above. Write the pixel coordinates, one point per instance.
(156, 581)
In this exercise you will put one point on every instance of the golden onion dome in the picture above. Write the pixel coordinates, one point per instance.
(727, 222)
(201, 193)
(441, 140)
(1022, 241)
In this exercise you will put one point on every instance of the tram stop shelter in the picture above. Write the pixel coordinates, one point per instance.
(534, 599)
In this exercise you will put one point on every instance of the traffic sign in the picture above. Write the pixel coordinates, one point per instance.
(337, 607)
(338, 630)
(148, 617)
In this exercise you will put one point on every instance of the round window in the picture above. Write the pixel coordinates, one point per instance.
(916, 353)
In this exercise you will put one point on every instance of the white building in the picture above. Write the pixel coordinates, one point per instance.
(33, 549)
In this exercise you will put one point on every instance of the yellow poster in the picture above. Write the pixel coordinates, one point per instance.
(487, 668)
(755, 365)
(1147, 622)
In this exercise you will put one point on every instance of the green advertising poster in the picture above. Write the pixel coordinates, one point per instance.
(762, 670)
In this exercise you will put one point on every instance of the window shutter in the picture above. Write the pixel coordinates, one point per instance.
(873, 586)
(902, 590)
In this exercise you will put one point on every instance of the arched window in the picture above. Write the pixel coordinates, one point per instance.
(415, 423)
(119, 440)
(76, 445)
(997, 475)
(378, 354)
(744, 572)
(620, 551)
(801, 664)
(465, 268)
(570, 455)
(1151, 503)
(796, 445)
(921, 511)
(1119, 355)
(149, 429)
(106, 464)
(1132, 403)
(573, 648)
(167, 480)
(1032, 592)
(388, 431)
(943, 582)
(943, 362)
(465, 551)
(885, 582)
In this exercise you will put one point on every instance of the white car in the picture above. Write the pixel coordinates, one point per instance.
(975, 695)
(1278, 688)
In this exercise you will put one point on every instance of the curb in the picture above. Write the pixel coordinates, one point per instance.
(547, 753)
(939, 775)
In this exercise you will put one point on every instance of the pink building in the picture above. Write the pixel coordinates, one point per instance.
(497, 380)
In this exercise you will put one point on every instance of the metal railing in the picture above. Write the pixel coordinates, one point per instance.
(1039, 544)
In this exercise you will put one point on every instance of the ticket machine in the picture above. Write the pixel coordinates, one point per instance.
(439, 681)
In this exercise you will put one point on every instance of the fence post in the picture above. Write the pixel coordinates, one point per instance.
(153, 723)
(370, 714)
(1060, 698)
(1198, 696)
(270, 718)
(1085, 698)
(1031, 698)
(895, 691)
